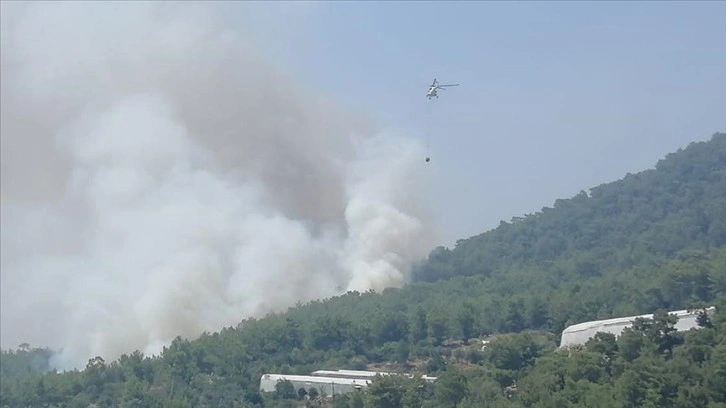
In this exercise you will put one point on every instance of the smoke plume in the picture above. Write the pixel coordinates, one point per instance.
(161, 178)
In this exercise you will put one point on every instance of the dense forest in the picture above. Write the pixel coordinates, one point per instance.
(650, 242)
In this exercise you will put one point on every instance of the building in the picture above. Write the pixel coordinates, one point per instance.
(362, 375)
(327, 382)
(580, 333)
(324, 385)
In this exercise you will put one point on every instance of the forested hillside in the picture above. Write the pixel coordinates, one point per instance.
(24, 361)
(652, 241)
(630, 236)
(645, 216)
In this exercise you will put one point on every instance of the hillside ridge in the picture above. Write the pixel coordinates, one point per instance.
(679, 196)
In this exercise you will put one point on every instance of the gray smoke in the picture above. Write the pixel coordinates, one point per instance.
(161, 178)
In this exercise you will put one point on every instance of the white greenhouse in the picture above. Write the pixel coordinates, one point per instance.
(580, 333)
(324, 385)
(363, 375)
(326, 381)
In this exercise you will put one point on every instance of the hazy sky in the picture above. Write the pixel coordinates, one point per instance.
(555, 97)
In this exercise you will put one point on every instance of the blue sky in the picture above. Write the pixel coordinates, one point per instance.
(555, 97)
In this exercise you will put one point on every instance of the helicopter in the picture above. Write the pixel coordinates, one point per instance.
(435, 86)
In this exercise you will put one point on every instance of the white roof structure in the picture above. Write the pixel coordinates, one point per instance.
(340, 381)
(268, 381)
(362, 374)
(348, 374)
(580, 333)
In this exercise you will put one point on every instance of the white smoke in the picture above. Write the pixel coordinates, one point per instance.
(159, 178)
